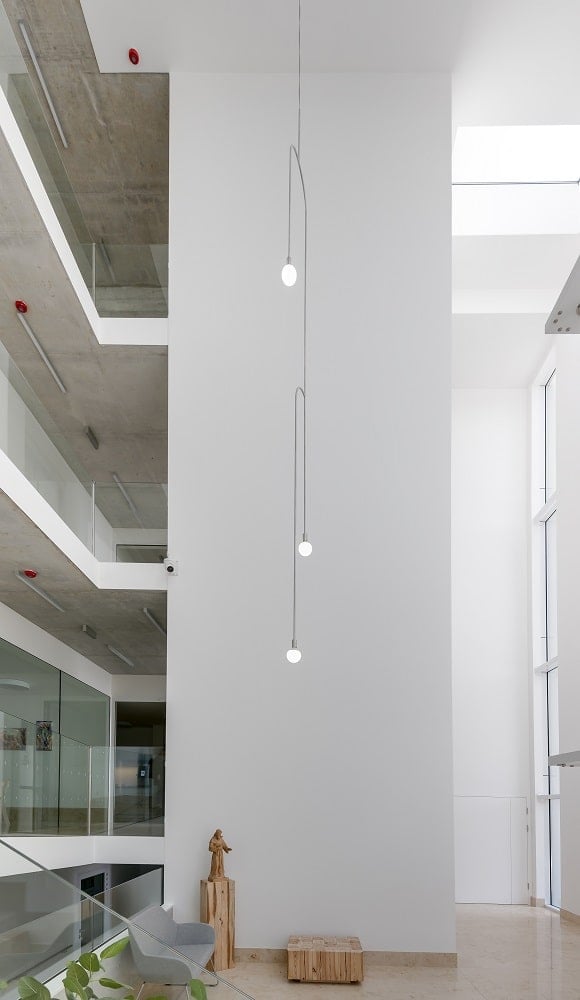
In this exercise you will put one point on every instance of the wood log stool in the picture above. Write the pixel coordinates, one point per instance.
(325, 959)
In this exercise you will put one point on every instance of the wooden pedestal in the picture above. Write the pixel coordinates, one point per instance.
(325, 960)
(217, 906)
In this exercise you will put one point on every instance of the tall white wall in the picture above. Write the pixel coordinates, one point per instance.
(568, 548)
(332, 779)
(490, 488)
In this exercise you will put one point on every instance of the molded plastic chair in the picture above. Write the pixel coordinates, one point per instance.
(154, 962)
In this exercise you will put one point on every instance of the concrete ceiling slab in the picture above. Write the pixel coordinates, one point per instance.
(116, 616)
(117, 161)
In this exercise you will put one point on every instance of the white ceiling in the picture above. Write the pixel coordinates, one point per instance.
(514, 61)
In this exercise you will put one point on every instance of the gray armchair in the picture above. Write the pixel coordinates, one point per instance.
(155, 962)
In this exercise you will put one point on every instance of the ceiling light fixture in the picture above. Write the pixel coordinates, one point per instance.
(9, 682)
(128, 500)
(89, 630)
(92, 437)
(38, 590)
(21, 310)
(151, 617)
(42, 81)
(289, 277)
(120, 656)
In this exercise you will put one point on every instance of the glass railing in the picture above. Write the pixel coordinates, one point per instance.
(115, 520)
(49, 929)
(123, 280)
(129, 522)
(51, 784)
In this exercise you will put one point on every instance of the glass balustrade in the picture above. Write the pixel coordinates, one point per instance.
(51, 784)
(124, 280)
(117, 521)
(46, 924)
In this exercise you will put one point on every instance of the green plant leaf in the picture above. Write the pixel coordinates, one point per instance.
(111, 984)
(3, 984)
(30, 989)
(197, 989)
(129, 997)
(90, 961)
(114, 949)
(71, 984)
(76, 972)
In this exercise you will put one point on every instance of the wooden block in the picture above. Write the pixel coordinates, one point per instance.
(217, 906)
(317, 959)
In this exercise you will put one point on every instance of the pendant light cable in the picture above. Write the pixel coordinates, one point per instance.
(289, 278)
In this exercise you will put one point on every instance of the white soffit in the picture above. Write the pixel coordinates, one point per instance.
(511, 274)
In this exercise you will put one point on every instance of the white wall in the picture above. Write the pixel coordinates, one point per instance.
(568, 548)
(490, 515)
(331, 779)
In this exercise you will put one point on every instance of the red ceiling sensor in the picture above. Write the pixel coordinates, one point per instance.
(134, 57)
(30, 573)
(21, 306)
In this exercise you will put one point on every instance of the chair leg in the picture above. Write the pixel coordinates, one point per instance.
(212, 973)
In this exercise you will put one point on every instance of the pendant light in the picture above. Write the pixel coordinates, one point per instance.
(289, 276)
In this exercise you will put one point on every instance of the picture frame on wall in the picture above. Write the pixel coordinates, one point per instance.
(13, 739)
(44, 735)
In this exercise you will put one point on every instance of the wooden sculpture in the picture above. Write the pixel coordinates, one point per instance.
(217, 846)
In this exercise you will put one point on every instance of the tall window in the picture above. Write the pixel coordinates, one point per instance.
(545, 626)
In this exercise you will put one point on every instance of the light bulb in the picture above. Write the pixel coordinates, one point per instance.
(305, 547)
(289, 274)
(293, 655)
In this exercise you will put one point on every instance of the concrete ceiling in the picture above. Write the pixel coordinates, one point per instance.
(116, 616)
(121, 392)
(114, 174)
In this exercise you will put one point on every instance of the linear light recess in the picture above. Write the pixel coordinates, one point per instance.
(121, 656)
(42, 81)
(126, 496)
(151, 617)
(38, 590)
(92, 437)
(42, 352)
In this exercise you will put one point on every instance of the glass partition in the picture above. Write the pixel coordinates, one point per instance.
(49, 783)
(46, 923)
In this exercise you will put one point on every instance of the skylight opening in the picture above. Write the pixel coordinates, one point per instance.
(511, 154)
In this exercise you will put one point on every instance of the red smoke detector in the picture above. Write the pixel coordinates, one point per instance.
(21, 306)
(30, 573)
(134, 57)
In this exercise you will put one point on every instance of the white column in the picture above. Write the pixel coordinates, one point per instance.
(332, 779)
(568, 547)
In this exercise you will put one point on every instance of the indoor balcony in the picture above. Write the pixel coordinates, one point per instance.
(80, 555)
(118, 242)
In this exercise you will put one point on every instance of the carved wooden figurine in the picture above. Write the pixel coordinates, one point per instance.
(217, 846)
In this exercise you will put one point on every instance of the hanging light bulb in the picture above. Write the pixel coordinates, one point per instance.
(294, 655)
(289, 273)
(305, 547)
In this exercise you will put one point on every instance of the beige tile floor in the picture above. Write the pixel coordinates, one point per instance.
(504, 953)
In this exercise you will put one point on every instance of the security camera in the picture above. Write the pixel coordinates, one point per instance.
(170, 566)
